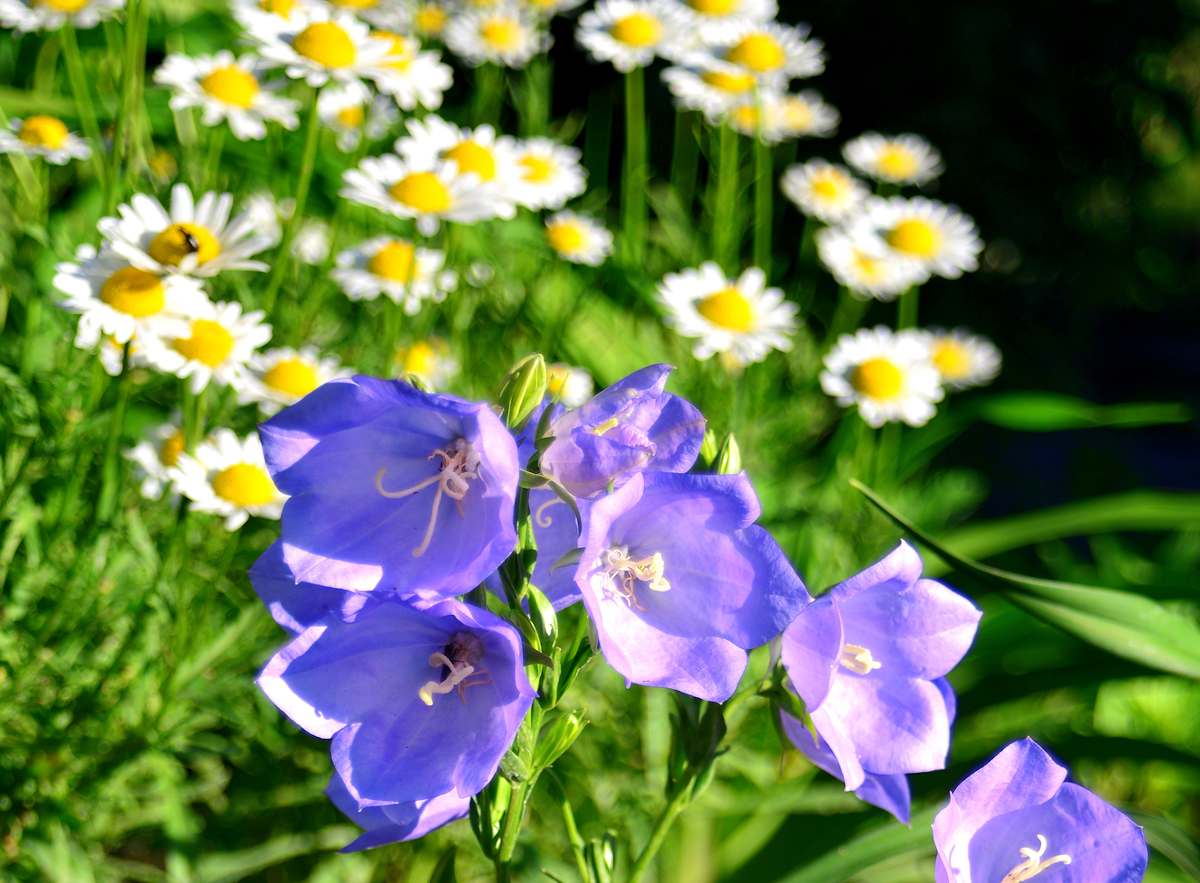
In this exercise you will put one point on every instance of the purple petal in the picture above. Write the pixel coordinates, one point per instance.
(810, 647)
(297, 605)
(394, 823)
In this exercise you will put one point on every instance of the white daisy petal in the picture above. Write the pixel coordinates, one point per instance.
(886, 374)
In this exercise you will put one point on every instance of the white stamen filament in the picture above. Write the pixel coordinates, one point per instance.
(858, 659)
(457, 675)
(539, 514)
(626, 572)
(459, 465)
(1033, 864)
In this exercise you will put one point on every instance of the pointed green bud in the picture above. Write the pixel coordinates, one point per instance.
(729, 458)
(708, 449)
(557, 738)
(523, 390)
(541, 614)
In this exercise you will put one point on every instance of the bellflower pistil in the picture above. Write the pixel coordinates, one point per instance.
(1032, 865)
(624, 573)
(460, 465)
(460, 659)
(858, 659)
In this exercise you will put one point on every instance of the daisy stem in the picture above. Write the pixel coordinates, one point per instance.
(684, 156)
(634, 179)
(307, 162)
(85, 108)
(906, 309)
(535, 96)
(725, 231)
(216, 144)
(127, 134)
(489, 93)
(763, 209)
(110, 476)
(847, 314)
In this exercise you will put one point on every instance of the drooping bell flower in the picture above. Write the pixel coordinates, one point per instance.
(391, 486)
(680, 582)
(417, 702)
(630, 427)
(869, 660)
(1017, 819)
(396, 822)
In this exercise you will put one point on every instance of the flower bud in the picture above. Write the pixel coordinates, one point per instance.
(729, 457)
(708, 449)
(523, 390)
(557, 739)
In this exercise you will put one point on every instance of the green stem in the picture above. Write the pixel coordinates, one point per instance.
(216, 144)
(489, 93)
(685, 154)
(906, 309)
(307, 163)
(110, 475)
(634, 180)
(846, 315)
(662, 826)
(764, 190)
(85, 108)
(726, 235)
(575, 840)
(128, 133)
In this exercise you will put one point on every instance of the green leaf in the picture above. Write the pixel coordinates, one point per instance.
(1122, 623)
(879, 844)
(1048, 412)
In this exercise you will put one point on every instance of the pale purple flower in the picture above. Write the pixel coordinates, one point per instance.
(417, 703)
(630, 427)
(390, 486)
(1018, 818)
(680, 582)
(396, 822)
(296, 605)
(869, 659)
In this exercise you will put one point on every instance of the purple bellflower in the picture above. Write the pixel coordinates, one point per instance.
(1018, 818)
(631, 426)
(869, 659)
(680, 582)
(418, 703)
(396, 822)
(393, 487)
(296, 605)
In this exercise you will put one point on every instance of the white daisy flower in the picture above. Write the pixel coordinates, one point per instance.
(426, 19)
(578, 239)
(713, 89)
(353, 113)
(229, 89)
(216, 345)
(961, 358)
(155, 456)
(311, 244)
(50, 15)
(395, 268)
(192, 239)
(380, 13)
(228, 476)
(412, 76)
(263, 15)
(116, 300)
(887, 375)
(939, 236)
(478, 152)
(897, 159)
(771, 51)
(111, 351)
(569, 385)
(823, 190)
(506, 34)
(267, 214)
(321, 47)
(549, 8)
(44, 136)
(785, 116)
(865, 266)
(427, 193)
(741, 318)
(708, 12)
(283, 376)
(630, 33)
(548, 174)
(429, 360)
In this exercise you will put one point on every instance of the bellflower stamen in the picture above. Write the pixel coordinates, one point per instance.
(626, 572)
(539, 514)
(460, 660)
(604, 427)
(858, 659)
(459, 465)
(1033, 864)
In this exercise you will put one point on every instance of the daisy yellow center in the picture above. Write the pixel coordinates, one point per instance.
(501, 33)
(351, 117)
(829, 186)
(244, 484)
(897, 161)
(326, 43)
(210, 343)
(429, 20)
(63, 5)
(537, 169)
(231, 85)
(567, 237)
(951, 359)
(293, 377)
(760, 53)
(43, 131)
(878, 378)
(277, 7)
(714, 7)
(916, 237)
(473, 157)
(178, 241)
(637, 29)
(400, 53)
(356, 4)
(727, 81)
(746, 116)
(556, 379)
(543, 5)
(728, 309)
(797, 114)
(420, 358)
(868, 267)
(422, 191)
(134, 292)
(171, 448)
(394, 261)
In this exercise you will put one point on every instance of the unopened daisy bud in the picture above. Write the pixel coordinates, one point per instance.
(523, 390)
(729, 457)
